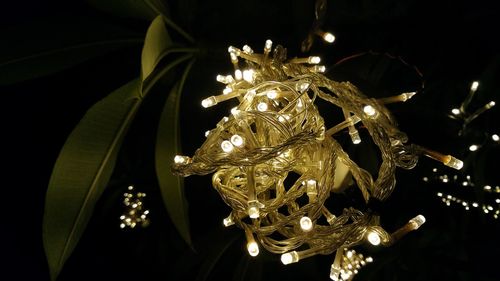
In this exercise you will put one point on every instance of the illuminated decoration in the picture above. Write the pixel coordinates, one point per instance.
(135, 214)
(347, 264)
(489, 200)
(464, 115)
(276, 133)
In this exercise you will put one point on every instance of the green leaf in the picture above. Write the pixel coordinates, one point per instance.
(167, 146)
(157, 42)
(82, 171)
(142, 9)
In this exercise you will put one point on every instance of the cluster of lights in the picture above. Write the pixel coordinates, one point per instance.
(467, 117)
(448, 199)
(347, 264)
(275, 131)
(135, 214)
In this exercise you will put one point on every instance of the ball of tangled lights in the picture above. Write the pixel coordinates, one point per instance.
(276, 131)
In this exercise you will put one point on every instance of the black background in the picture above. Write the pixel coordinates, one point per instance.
(451, 42)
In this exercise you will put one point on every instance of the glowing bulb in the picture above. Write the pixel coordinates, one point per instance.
(248, 75)
(487, 187)
(314, 60)
(178, 159)
(262, 106)
(455, 111)
(495, 137)
(272, 94)
(207, 133)
(373, 238)
(417, 221)
(355, 138)
(226, 146)
(369, 110)
(253, 248)
(473, 147)
(237, 140)
(328, 37)
(226, 91)
(474, 86)
(369, 259)
(290, 257)
(228, 221)
(491, 104)
(208, 102)
(238, 74)
(306, 224)
(253, 209)
(453, 162)
(247, 49)
(319, 68)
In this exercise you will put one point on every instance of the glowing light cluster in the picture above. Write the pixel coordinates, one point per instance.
(347, 264)
(135, 214)
(277, 133)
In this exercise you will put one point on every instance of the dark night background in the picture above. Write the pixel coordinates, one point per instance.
(451, 42)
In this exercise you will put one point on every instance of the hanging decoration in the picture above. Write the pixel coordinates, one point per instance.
(276, 135)
(135, 214)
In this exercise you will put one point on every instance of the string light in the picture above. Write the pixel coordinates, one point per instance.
(276, 131)
(347, 264)
(135, 214)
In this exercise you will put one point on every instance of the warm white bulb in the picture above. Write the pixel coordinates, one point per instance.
(262, 106)
(328, 37)
(355, 138)
(238, 74)
(474, 85)
(369, 259)
(290, 257)
(314, 60)
(373, 238)
(272, 94)
(208, 102)
(253, 248)
(248, 75)
(247, 49)
(473, 147)
(417, 221)
(491, 104)
(306, 223)
(487, 187)
(369, 110)
(237, 140)
(495, 137)
(454, 163)
(455, 111)
(226, 91)
(178, 159)
(268, 45)
(228, 221)
(226, 146)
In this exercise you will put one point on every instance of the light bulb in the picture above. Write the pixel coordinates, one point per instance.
(226, 146)
(417, 221)
(238, 74)
(455, 111)
(272, 94)
(373, 238)
(314, 60)
(208, 102)
(228, 221)
(491, 104)
(474, 85)
(248, 75)
(268, 46)
(253, 209)
(453, 162)
(369, 110)
(369, 259)
(247, 49)
(328, 37)
(178, 159)
(487, 187)
(301, 87)
(262, 106)
(290, 257)
(253, 248)
(237, 140)
(207, 133)
(226, 91)
(355, 138)
(319, 68)
(306, 224)
(495, 137)
(473, 147)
